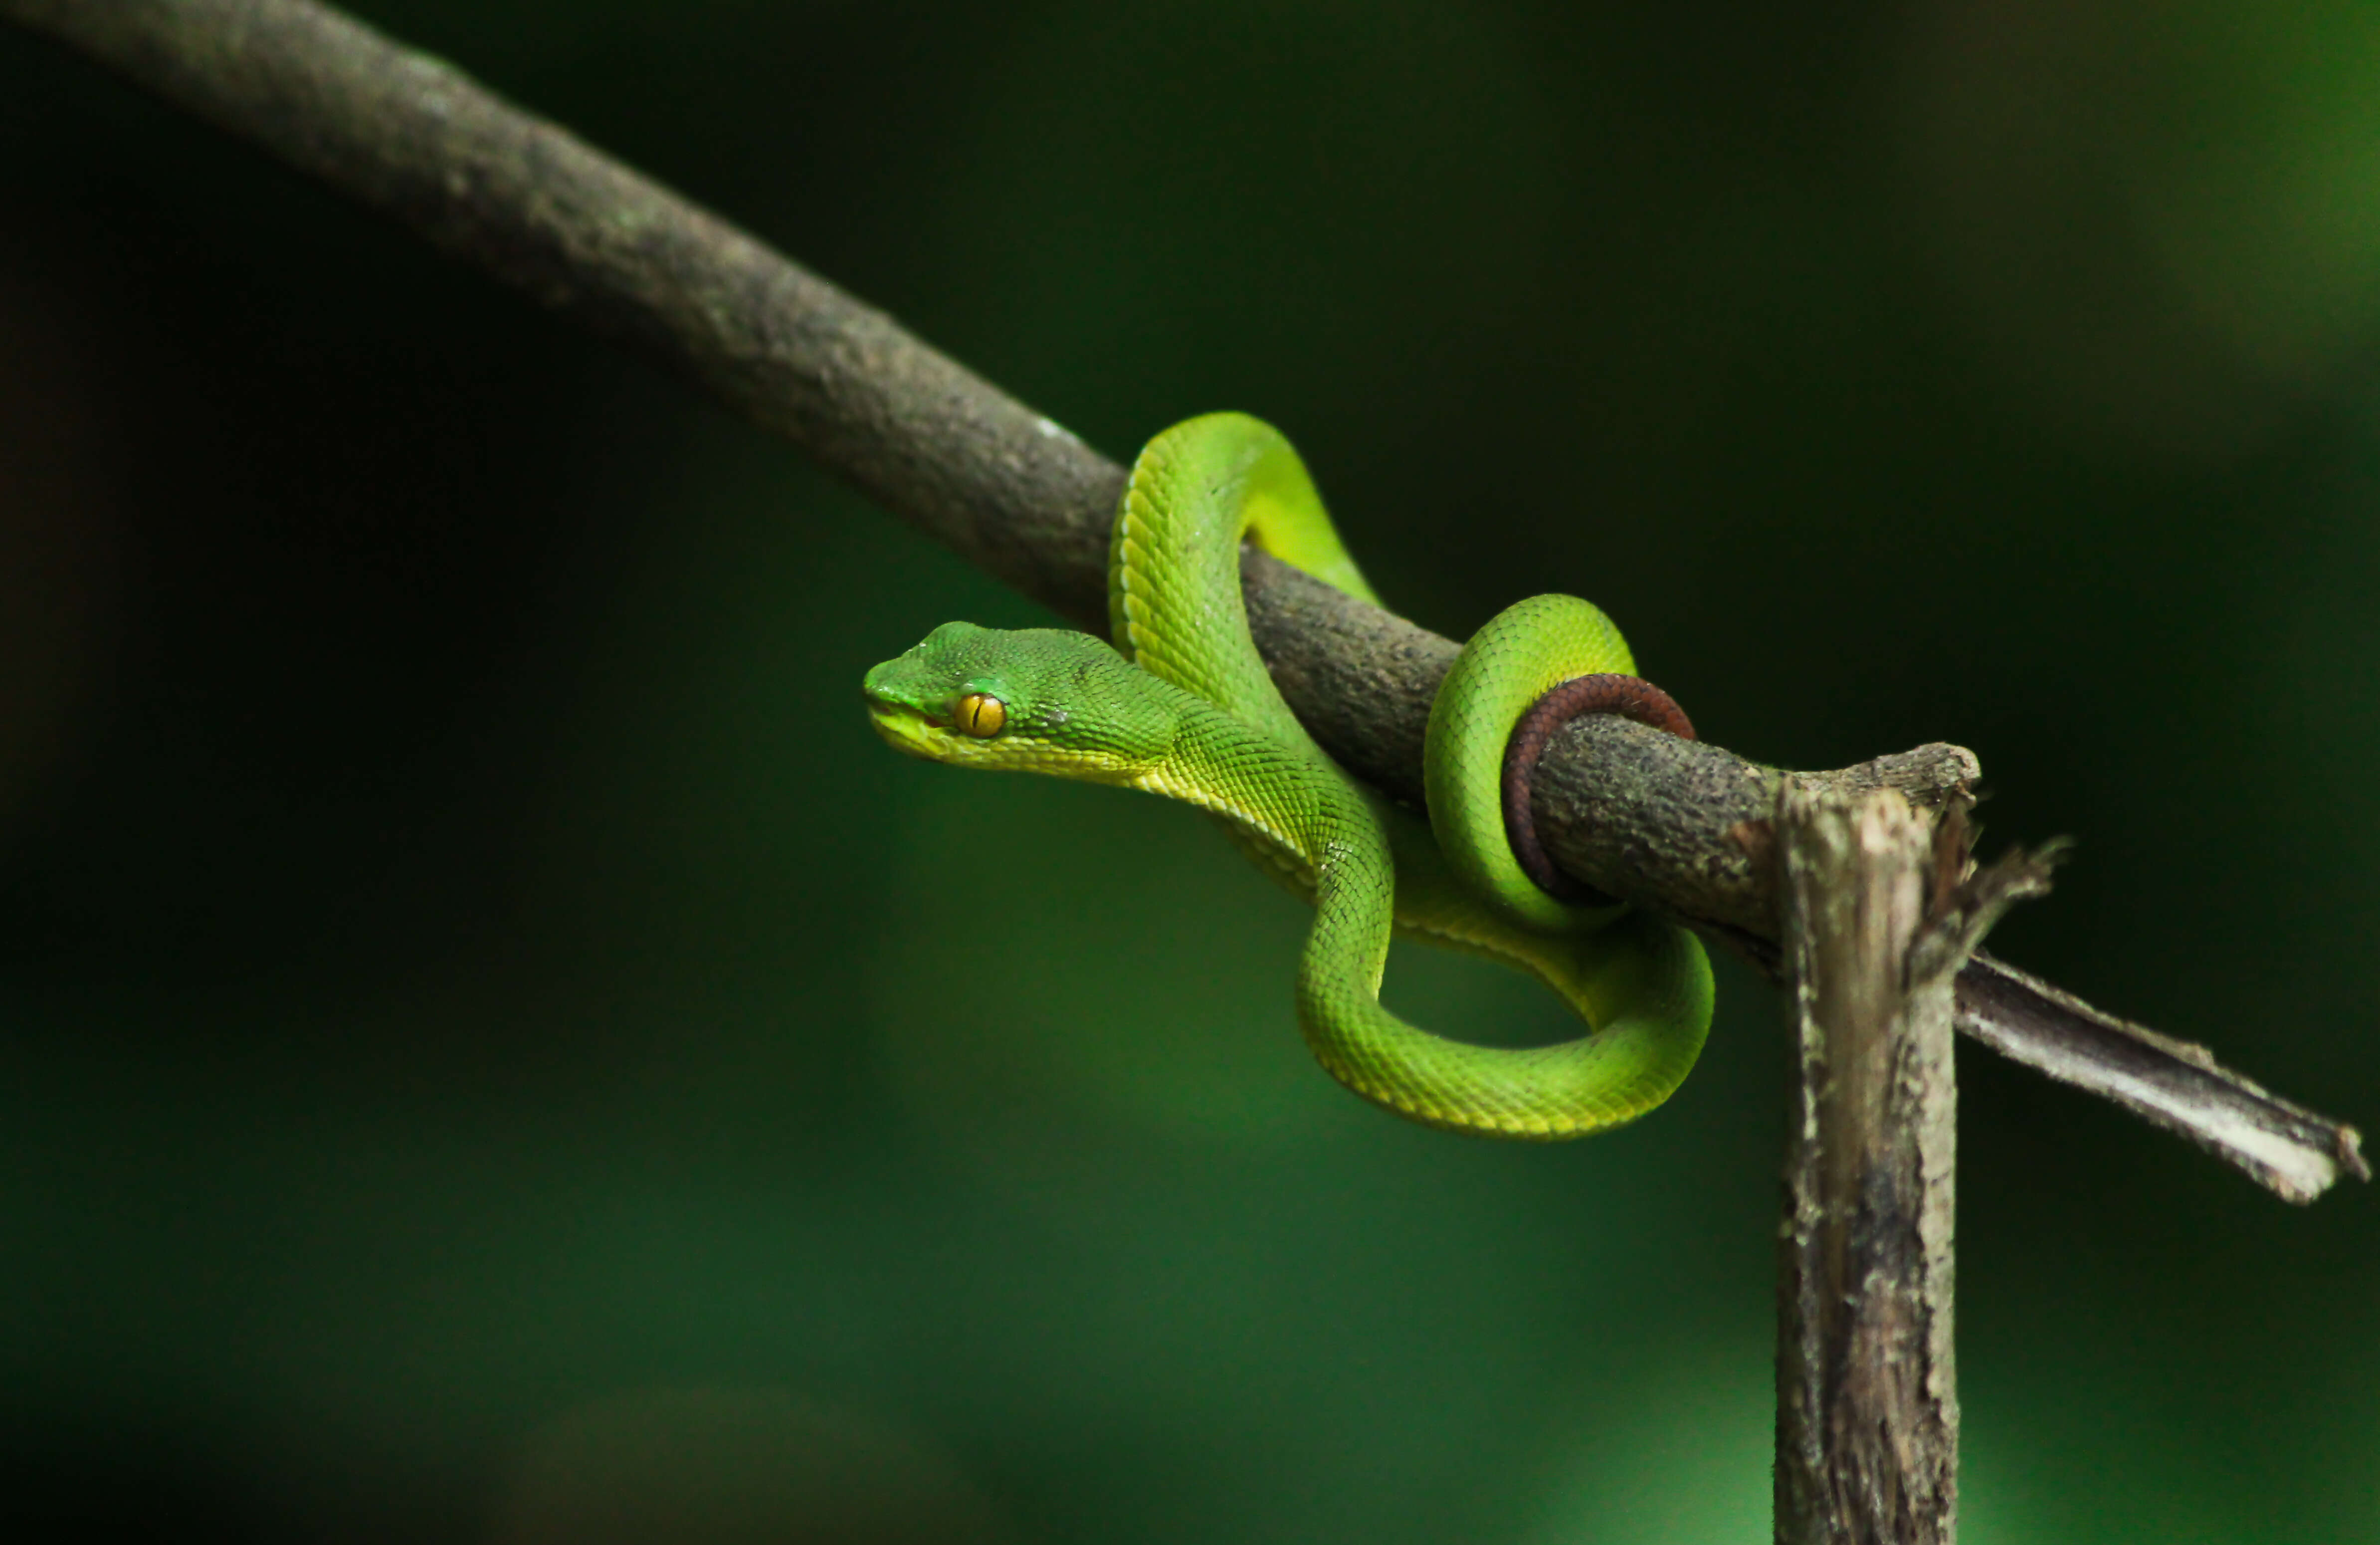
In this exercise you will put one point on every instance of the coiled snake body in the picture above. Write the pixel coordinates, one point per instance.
(1181, 706)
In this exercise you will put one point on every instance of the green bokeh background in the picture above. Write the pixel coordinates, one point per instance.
(496, 1051)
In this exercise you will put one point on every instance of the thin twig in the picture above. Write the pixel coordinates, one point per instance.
(2173, 1084)
(1679, 827)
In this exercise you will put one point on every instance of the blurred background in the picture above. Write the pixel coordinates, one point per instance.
(495, 1050)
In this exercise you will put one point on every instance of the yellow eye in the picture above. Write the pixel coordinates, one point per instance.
(981, 716)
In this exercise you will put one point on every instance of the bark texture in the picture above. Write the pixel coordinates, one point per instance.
(1867, 1409)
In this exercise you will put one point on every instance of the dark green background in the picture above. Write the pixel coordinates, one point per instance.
(495, 1050)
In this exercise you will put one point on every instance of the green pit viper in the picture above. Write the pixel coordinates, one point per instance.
(1181, 706)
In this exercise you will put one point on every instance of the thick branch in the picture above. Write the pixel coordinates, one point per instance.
(1868, 1410)
(1681, 828)
(1867, 1407)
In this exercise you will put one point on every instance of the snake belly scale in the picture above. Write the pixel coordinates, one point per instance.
(1181, 706)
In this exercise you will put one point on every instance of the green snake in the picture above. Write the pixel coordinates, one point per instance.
(1181, 706)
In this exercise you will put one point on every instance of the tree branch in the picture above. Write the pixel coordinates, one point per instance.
(1678, 827)
(1868, 1403)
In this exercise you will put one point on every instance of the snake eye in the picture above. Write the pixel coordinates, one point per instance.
(981, 716)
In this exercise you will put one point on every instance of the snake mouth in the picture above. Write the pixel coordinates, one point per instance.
(907, 730)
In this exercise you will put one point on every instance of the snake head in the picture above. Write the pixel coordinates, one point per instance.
(1033, 700)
